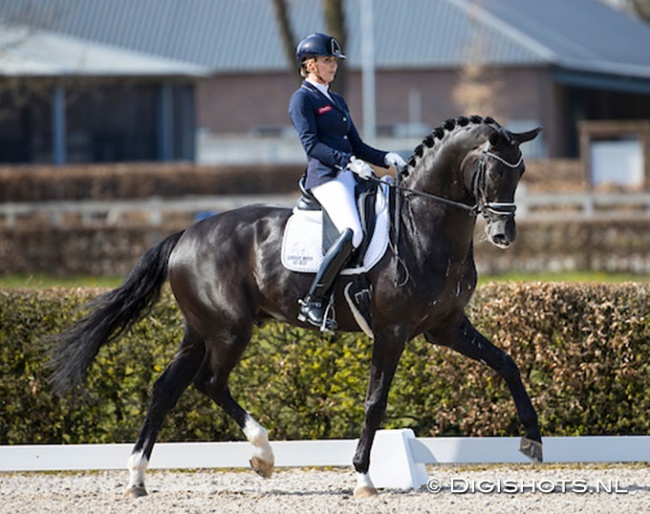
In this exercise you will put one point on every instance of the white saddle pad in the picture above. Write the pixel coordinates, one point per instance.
(302, 244)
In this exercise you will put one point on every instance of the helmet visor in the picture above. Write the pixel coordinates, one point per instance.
(335, 49)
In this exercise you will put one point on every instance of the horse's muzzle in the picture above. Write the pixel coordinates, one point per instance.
(501, 231)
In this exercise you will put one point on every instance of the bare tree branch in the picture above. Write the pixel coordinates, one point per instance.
(642, 8)
(335, 27)
(287, 36)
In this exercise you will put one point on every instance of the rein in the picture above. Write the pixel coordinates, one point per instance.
(473, 210)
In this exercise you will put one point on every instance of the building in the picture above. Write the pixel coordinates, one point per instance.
(68, 100)
(525, 62)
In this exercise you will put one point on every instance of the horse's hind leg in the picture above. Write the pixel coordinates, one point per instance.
(470, 342)
(166, 392)
(212, 380)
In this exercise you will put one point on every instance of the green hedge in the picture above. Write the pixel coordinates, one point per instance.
(583, 351)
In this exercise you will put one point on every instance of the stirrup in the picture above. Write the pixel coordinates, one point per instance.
(313, 313)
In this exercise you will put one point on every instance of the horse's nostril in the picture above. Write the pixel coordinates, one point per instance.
(500, 240)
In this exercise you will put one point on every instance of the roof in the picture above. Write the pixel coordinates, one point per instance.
(576, 34)
(229, 36)
(25, 51)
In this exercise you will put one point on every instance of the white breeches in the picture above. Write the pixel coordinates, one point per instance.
(337, 198)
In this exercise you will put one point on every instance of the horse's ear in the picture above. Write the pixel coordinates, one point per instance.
(524, 137)
(495, 138)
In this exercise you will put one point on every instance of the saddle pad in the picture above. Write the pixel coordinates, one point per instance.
(302, 246)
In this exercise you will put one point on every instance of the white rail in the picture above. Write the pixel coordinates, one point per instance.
(398, 458)
(111, 211)
(334, 452)
(530, 206)
(588, 205)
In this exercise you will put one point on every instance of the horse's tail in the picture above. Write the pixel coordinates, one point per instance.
(112, 314)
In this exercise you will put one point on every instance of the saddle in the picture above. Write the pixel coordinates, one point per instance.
(365, 193)
(310, 232)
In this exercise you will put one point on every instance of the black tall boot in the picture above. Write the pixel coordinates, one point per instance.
(312, 308)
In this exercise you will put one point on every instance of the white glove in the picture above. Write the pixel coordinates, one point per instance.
(360, 167)
(394, 159)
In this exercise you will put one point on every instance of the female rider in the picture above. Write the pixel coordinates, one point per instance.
(335, 152)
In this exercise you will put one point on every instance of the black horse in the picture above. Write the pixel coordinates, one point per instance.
(226, 275)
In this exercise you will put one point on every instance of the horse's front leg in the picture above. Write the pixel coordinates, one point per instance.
(386, 353)
(470, 342)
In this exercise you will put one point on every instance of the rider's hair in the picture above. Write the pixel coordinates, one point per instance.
(304, 71)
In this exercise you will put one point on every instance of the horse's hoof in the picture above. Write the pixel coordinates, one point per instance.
(261, 467)
(135, 492)
(365, 492)
(531, 449)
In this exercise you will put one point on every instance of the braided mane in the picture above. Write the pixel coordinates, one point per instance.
(439, 133)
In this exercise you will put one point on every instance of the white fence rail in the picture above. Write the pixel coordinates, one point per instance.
(535, 206)
(111, 211)
(588, 205)
(398, 458)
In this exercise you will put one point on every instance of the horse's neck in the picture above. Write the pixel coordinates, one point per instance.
(438, 172)
(434, 224)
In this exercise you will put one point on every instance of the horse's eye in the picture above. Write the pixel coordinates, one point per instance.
(496, 171)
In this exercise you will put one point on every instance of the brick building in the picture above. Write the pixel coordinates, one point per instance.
(525, 62)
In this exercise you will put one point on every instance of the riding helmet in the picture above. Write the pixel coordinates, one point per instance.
(318, 44)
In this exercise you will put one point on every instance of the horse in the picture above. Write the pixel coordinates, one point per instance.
(226, 275)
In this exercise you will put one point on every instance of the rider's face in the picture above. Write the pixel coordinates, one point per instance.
(324, 69)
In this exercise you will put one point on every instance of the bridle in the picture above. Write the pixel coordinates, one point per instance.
(488, 210)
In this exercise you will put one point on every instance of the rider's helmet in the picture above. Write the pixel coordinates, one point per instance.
(318, 44)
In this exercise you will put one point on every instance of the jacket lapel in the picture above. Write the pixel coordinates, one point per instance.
(315, 91)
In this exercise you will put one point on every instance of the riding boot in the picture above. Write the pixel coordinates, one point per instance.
(313, 307)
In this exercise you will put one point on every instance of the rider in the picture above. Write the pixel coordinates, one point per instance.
(334, 152)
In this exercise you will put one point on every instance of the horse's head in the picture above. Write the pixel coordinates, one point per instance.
(473, 164)
(493, 179)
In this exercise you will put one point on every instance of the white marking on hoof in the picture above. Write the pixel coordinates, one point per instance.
(137, 466)
(364, 488)
(262, 460)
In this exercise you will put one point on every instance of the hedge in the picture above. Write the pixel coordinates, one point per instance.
(40, 183)
(583, 351)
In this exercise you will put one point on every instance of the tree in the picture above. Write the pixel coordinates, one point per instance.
(334, 25)
(286, 33)
(479, 90)
(642, 9)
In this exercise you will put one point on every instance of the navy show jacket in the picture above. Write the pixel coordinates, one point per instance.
(327, 134)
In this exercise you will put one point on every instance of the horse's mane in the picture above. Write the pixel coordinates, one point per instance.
(439, 133)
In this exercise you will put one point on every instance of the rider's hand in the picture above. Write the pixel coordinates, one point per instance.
(395, 160)
(360, 167)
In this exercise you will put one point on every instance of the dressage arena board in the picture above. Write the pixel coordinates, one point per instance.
(389, 445)
(501, 483)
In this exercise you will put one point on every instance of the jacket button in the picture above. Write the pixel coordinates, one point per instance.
(344, 118)
(345, 137)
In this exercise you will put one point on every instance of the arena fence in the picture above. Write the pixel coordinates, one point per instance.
(398, 458)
